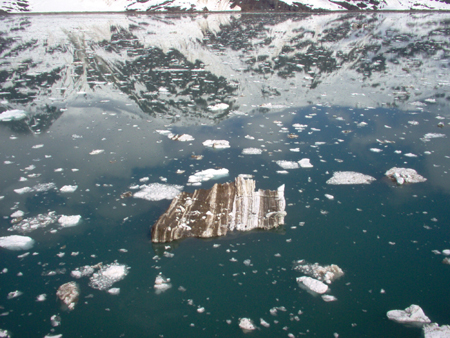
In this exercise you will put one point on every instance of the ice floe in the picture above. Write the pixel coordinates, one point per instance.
(181, 137)
(433, 330)
(33, 223)
(404, 175)
(326, 274)
(208, 174)
(246, 324)
(412, 315)
(83, 271)
(14, 294)
(69, 221)
(158, 191)
(37, 188)
(329, 298)
(217, 144)
(96, 151)
(252, 151)
(69, 293)
(16, 242)
(349, 177)
(288, 164)
(68, 188)
(109, 274)
(114, 291)
(218, 106)
(12, 115)
(305, 163)
(162, 284)
(312, 284)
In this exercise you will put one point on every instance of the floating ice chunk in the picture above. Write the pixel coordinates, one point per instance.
(404, 175)
(412, 315)
(433, 135)
(326, 274)
(83, 271)
(44, 187)
(158, 191)
(96, 151)
(295, 150)
(283, 172)
(163, 132)
(41, 298)
(68, 188)
(162, 284)
(108, 275)
(12, 115)
(54, 335)
(217, 144)
(181, 137)
(410, 155)
(252, 151)
(349, 177)
(37, 146)
(219, 106)
(305, 163)
(55, 320)
(264, 323)
(446, 252)
(69, 221)
(435, 331)
(201, 309)
(376, 150)
(16, 242)
(68, 294)
(329, 298)
(18, 213)
(33, 223)
(208, 174)
(246, 325)
(23, 190)
(330, 197)
(114, 291)
(288, 164)
(14, 294)
(362, 124)
(312, 284)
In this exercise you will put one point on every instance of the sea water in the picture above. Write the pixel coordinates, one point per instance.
(387, 238)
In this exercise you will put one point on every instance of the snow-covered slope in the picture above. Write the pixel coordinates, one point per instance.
(55, 6)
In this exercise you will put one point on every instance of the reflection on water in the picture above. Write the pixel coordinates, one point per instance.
(341, 92)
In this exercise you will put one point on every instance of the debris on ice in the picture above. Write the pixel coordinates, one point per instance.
(246, 325)
(404, 175)
(412, 315)
(349, 177)
(69, 293)
(208, 174)
(12, 115)
(158, 191)
(219, 106)
(252, 151)
(288, 164)
(181, 137)
(312, 284)
(109, 274)
(162, 284)
(16, 242)
(217, 144)
(68, 188)
(69, 221)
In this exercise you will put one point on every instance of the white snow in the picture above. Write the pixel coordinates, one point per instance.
(349, 177)
(158, 191)
(16, 242)
(69, 221)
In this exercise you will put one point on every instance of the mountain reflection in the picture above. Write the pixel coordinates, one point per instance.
(179, 67)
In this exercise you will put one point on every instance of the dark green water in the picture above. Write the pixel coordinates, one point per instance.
(382, 235)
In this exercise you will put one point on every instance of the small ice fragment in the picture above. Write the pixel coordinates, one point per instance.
(247, 262)
(305, 163)
(201, 310)
(207, 175)
(23, 190)
(295, 150)
(283, 172)
(329, 298)
(12, 115)
(181, 137)
(16, 242)
(68, 188)
(350, 177)
(69, 293)
(55, 320)
(158, 191)
(219, 106)
(37, 146)
(252, 151)
(114, 291)
(410, 155)
(288, 164)
(376, 150)
(14, 294)
(330, 197)
(433, 135)
(18, 213)
(41, 298)
(404, 175)
(246, 325)
(312, 284)
(217, 144)
(96, 151)
(69, 221)
(446, 252)
(108, 275)
(264, 323)
(162, 284)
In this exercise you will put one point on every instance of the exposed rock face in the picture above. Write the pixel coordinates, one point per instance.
(212, 212)
(412, 315)
(69, 294)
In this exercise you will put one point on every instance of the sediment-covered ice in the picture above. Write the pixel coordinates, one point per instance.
(68, 188)
(288, 164)
(312, 284)
(181, 137)
(349, 177)
(252, 151)
(109, 274)
(404, 175)
(162, 284)
(433, 330)
(158, 191)
(16, 242)
(69, 293)
(327, 274)
(33, 223)
(246, 324)
(305, 163)
(69, 221)
(208, 174)
(217, 144)
(412, 315)
(12, 115)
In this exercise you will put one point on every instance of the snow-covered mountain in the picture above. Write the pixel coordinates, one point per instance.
(199, 68)
(55, 6)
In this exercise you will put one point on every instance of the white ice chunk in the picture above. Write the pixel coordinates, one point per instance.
(219, 106)
(330, 197)
(412, 315)
(41, 298)
(288, 164)
(96, 151)
(376, 150)
(14, 294)
(433, 135)
(208, 174)
(114, 291)
(181, 137)
(69, 221)
(326, 274)
(329, 298)
(446, 252)
(16, 242)
(410, 155)
(349, 177)
(305, 163)
(435, 331)
(158, 191)
(18, 213)
(217, 144)
(404, 175)
(252, 151)
(68, 188)
(12, 115)
(246, 324)
(23, 190)
(312, 284)
(162, 284)
(264, 323)
(108, 275)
